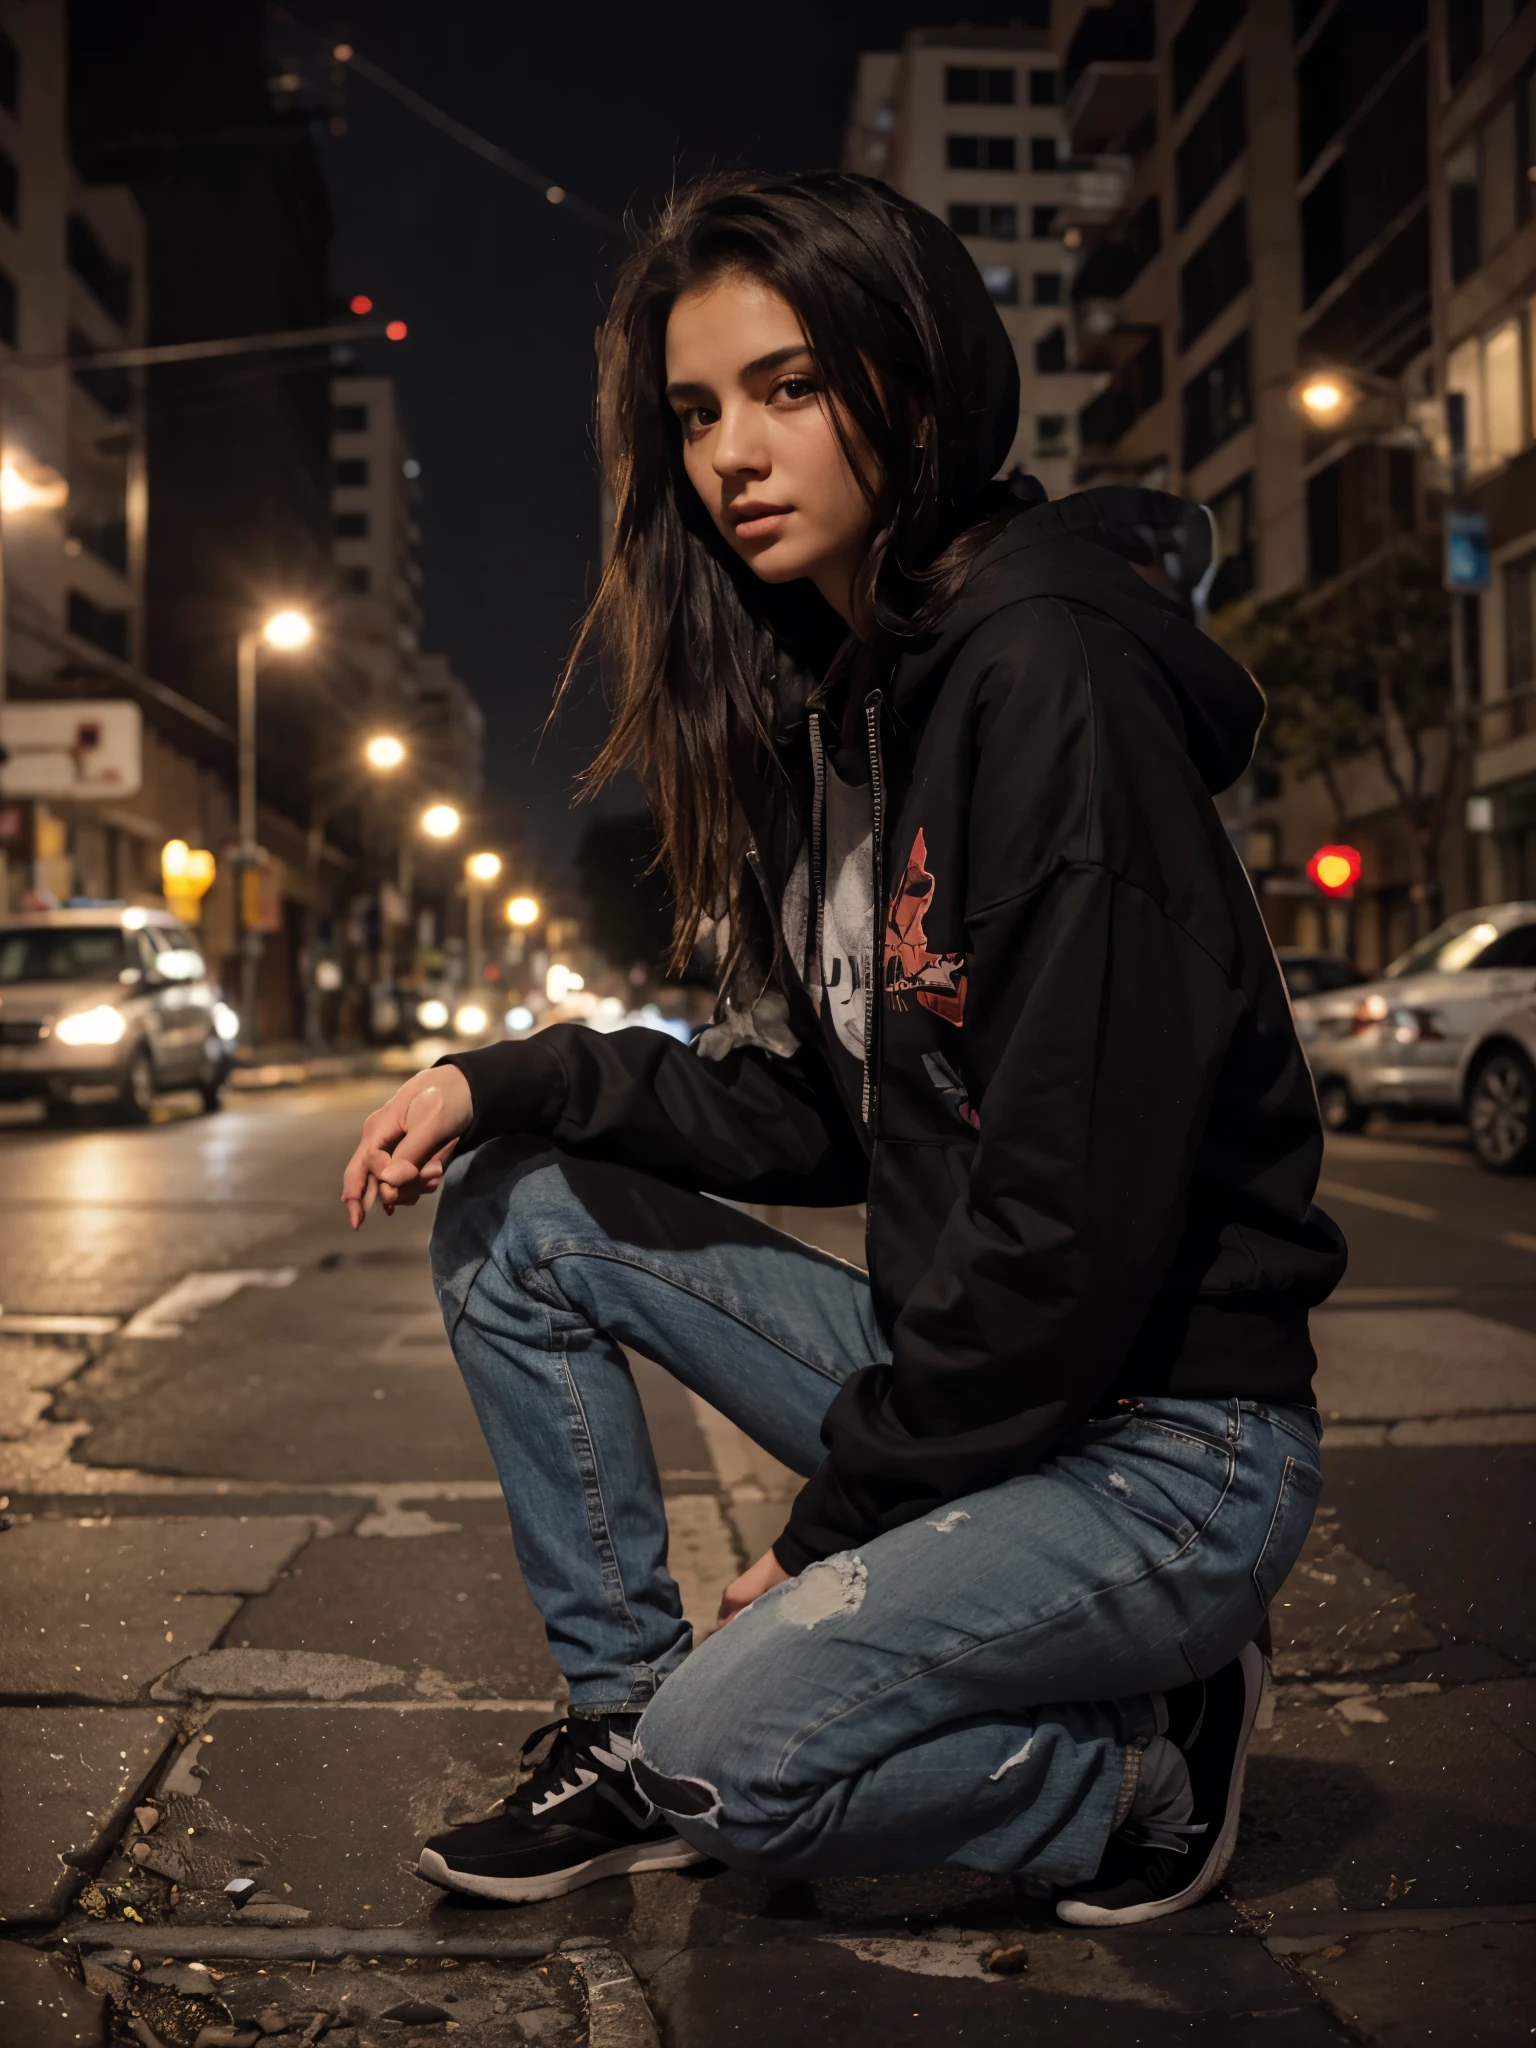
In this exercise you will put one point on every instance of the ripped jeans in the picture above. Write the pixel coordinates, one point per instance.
(971, 1688)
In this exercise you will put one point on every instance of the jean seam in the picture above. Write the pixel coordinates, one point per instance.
(802, 1735)
(721, 1307)
(592, 1492)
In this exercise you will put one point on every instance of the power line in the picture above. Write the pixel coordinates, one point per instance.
(203, 351)
(470, 139)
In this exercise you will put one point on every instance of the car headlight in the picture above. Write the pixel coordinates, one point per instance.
(104, 1025)
(432, 1015)
(225, 1022)
(470, 1021)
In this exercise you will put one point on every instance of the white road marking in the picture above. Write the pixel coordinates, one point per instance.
(185, 1302)
(1367, 1198)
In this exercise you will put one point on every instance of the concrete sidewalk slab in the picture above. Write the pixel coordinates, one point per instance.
(1396, 1988)
(68, 1776)
(98, 1608)
(1443, 1362)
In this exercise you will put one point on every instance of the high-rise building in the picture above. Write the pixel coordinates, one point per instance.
(374, 497)
(965, 121)
(1483, 178)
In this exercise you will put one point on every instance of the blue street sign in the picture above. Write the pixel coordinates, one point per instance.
(1466, 551)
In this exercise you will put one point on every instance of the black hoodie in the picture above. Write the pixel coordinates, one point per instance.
(1086, 1133)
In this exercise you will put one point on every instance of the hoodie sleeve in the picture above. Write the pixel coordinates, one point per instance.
(1049, 1261)
(753, 1127)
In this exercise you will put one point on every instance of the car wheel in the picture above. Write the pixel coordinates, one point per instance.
(1501, 1113)
(138, 1096)
(1340, 1111)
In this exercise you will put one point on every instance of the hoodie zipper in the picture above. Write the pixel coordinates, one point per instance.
(817, 863)
(875, 978)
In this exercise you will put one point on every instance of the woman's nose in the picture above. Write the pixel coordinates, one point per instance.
(738, 448)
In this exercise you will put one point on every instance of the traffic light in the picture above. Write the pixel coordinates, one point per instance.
(1335, 870)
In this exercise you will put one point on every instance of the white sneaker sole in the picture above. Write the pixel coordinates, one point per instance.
(1079, 1913)
(554, 1884)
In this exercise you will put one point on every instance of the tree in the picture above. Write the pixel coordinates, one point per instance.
(1362, 669)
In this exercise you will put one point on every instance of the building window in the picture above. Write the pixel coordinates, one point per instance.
(1232, 517)
(967, 85)
(1042, 88)
(1217, 403)
(1463, 37)
(980, 152)
(1215, 275)
(109, 283)
(351, 471)
(1047, 290)
(105, 629)
(1212, 146)
(10, 309)
(349, 419)
(1051, 353)
(1042, 223)
(1051, 433)
(1002, 282)
(1042, 153)
(10, 74)
(351, 525)
(1325, 524)
(1487, 373)
(1200, 42)
(111, 389)
(996, 223)
(10, 190)
(1466, 212)
(357, 579)
(1520, 623)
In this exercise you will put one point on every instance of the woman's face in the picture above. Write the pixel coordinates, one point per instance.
(758, 442)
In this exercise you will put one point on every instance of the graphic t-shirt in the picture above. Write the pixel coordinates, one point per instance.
(839, 980)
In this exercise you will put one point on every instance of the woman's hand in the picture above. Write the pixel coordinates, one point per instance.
(756, 1580)
(406, 1145)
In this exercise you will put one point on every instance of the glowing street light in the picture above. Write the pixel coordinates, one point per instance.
(483, 867)
(440, 821)
(384, 751)
(522, 911)
(1326, 398)
(288, 631)
(31, 489)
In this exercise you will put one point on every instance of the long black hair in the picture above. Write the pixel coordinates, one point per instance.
(916, 365)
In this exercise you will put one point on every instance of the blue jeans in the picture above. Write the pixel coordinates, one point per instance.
(970, 1688)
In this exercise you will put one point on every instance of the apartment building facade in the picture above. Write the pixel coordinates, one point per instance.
(965, 122)
(375, 492)
(1483, 148)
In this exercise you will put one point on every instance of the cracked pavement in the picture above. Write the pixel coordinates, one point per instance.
(260, 1619)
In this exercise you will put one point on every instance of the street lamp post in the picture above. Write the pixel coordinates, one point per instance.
(480, 870)
(285, 631)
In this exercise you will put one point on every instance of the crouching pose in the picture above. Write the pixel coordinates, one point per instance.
(933, 762)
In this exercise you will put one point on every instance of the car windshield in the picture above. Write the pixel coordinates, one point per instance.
(61, 953)
(1449, 948)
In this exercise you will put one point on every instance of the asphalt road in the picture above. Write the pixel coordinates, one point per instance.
(252, 1521)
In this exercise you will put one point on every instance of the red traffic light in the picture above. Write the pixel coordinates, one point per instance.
(1335, 869)
(361, 304)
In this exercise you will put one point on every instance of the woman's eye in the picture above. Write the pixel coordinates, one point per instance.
(797, 387)
(697, 416)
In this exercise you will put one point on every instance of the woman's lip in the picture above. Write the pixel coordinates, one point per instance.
(756, 524)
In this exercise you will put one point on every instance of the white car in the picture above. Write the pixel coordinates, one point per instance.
(107, 1006)
(1406, 1041)
(1499, 1092)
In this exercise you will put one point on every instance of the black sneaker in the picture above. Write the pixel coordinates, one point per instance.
(578, 1817)
(1168, 1857)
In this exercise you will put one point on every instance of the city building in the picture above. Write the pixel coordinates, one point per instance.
(1483, 154)
(965, 122)
(374, 497)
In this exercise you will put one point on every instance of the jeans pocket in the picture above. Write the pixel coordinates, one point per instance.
(1300, 1485)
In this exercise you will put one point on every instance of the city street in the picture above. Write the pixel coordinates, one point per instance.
(263, 1618)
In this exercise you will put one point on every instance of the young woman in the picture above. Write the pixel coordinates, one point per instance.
(933, 762)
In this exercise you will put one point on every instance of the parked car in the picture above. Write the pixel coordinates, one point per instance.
(1404, 1042)
(1499, 1092)
(1316, 974)
(107, 1007)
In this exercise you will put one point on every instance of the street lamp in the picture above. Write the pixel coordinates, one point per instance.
(285, 631)
(480, 870)
(1326, 399)
(440, 821)
(522, 911)
(384, 752)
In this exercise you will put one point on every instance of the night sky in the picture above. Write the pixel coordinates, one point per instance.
(504, 292)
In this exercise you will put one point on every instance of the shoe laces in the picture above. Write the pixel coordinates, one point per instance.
(1167, 1835)
(565, 1754)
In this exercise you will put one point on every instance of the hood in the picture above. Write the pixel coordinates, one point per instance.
(1140, 557)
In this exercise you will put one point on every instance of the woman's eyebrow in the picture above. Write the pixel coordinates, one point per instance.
(763, 364)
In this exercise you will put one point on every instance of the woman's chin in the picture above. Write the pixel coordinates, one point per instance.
(779, 562)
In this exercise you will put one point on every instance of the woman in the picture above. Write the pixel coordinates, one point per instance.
(933, 762)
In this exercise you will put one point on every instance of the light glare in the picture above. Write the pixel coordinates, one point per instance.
(440, 821)
(384, 751)
(288, 631)
(483, 867)
(522, 911)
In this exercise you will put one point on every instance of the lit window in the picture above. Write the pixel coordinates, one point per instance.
(1502, 407)
(1002, 281)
